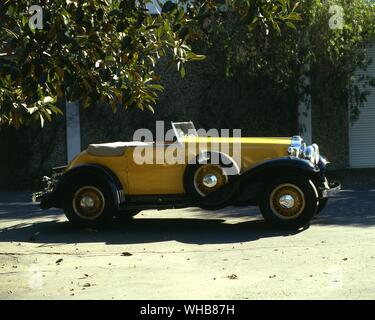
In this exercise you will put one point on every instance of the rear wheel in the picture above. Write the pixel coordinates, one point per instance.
(89, 204)
(289, 202)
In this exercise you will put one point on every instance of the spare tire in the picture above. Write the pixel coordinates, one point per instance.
(203, 180)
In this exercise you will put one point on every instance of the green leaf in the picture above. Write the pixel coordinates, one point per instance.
(294, 16)
(150, 108)
(41, 120)
(195, 57)
(157, 87)
(32, 110)
(48, 99)
(182, 71)
(291, 25)
(56, 110)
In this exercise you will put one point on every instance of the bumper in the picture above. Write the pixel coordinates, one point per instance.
(331, 189)
(46, 200)
(46, 197)
(329, 184)
(37, 197)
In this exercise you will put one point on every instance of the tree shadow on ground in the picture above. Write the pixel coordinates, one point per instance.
(195, 231)
(349, 208)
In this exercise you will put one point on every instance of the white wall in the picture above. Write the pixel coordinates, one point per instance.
(362, 132)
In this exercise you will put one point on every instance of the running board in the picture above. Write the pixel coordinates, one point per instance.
(159, 202)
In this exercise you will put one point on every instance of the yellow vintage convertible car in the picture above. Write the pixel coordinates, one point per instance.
(283, 176)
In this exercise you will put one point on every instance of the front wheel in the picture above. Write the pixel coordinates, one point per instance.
(289, 202)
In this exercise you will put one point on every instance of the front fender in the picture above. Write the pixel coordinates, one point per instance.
(279, 165)
(251, 183)
(247, 187)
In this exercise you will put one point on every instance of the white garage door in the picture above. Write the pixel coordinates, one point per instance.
(362, 133)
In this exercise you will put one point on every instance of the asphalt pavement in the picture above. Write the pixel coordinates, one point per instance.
(192, 253)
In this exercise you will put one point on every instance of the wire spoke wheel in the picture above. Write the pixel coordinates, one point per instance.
(88, 202)
(287, 201)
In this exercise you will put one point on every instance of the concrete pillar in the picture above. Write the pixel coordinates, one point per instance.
(73, 129)
(304, 107)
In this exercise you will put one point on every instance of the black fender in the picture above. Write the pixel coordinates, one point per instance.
(277, 165)
(56, 197)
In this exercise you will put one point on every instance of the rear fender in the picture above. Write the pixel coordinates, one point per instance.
(102, 173)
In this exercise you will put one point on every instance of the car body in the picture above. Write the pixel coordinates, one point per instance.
(287, 179)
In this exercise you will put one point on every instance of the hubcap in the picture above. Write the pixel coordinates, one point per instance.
(209, 178)
(287, 201)
(88, 203)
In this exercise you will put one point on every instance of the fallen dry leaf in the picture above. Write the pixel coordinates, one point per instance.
(126, 254)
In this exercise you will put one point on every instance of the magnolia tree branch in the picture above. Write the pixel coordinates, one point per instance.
(105, 51)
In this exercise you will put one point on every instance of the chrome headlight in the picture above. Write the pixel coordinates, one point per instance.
(312, 153)
(296, 146)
